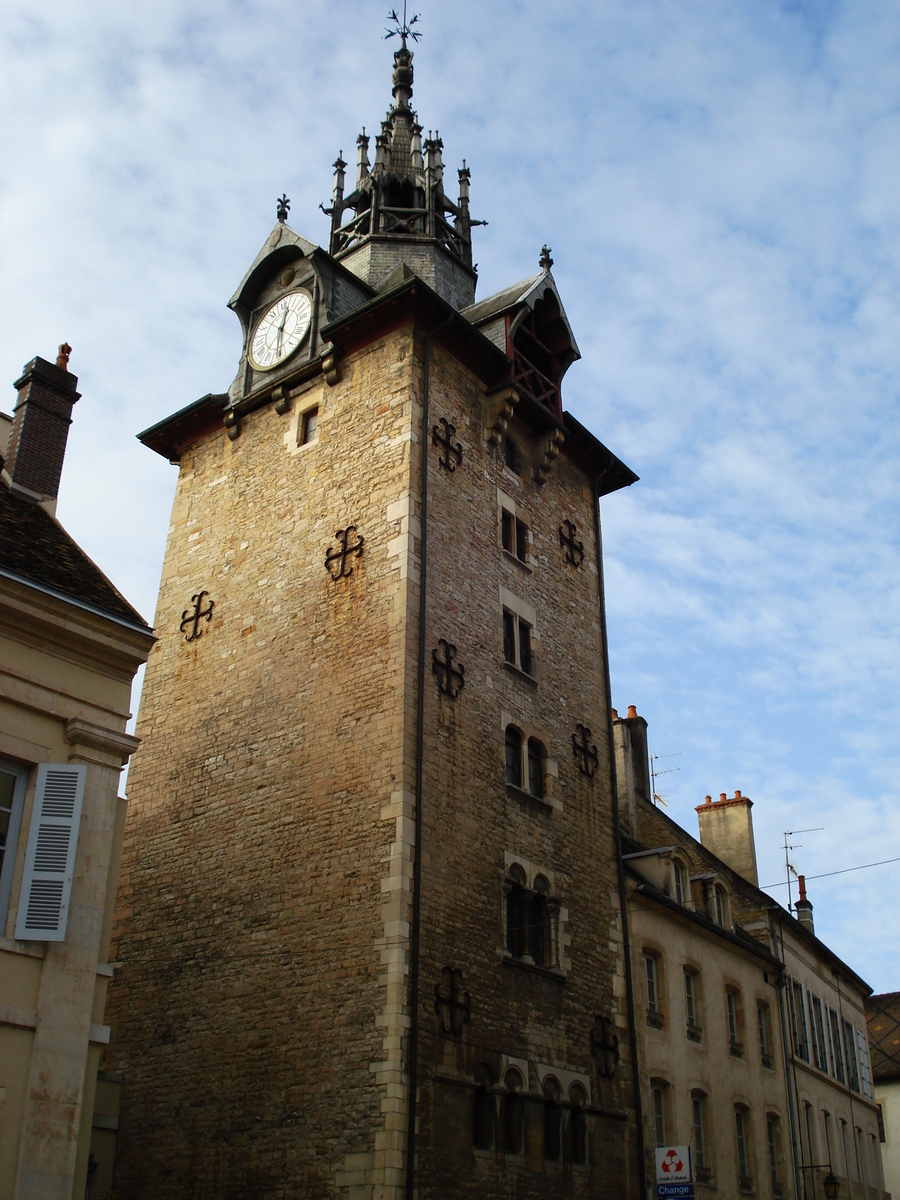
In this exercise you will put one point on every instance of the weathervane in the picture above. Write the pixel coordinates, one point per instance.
(284, 207)
(404, 28)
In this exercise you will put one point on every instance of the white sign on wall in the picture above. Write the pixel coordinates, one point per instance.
(673, 1165)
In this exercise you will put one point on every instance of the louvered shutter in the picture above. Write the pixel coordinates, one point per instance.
(50, 854)
(862, 1045)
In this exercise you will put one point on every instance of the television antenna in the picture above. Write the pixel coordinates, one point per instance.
(654, 775)
(789, 868)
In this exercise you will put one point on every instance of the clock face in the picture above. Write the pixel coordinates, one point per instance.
(280, 331)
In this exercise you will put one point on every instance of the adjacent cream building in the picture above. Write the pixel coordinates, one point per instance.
(69, 648)
(751, 1032)
(883, 1018)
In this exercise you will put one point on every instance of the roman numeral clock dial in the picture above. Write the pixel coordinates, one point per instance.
(280, 331)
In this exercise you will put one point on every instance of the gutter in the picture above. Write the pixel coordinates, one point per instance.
(415, 938)
(620, 866)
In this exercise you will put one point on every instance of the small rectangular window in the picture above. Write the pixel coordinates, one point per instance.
(508, 531)
(651, 980)
(509, 637)
(521, 539)
(309, 425)
(881, 1135)
(525, 647)
(511, 455)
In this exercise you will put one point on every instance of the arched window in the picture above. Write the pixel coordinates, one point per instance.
(659, 1094)
(720, 906)
(742, 1147)
(734, 1013)
(513, 756)
(552, 1115)
(699, 1123)
(682, 886)
(513, 1112)
(764, 1025)
(775, 1151)
(693, 1025)
(536, 756)
(484, 1115)
(653, 989)
(529, 930)
(577, 1125)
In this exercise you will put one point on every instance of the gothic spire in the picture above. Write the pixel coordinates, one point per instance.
(399, 202)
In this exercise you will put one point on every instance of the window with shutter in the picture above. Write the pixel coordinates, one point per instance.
(50, 854)
(12, 799)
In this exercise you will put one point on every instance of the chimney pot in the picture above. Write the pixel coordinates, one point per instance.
(737, 793)
(615, 715)
(723, 795)
(632, 711)
(801, 883)
(709, 799)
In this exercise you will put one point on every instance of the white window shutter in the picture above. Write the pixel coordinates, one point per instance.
(50, 854)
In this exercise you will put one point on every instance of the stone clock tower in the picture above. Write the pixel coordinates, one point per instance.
(369, 931)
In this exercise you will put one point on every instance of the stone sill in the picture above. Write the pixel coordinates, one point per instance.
(522, 965)
(520, 674)
(514, 558)
(545, 803)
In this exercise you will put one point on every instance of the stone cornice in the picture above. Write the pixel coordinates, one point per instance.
(98, 737)
(52, 624)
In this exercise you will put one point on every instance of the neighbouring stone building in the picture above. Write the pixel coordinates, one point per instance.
(752, 1033)
(70, 645)
(370, 931)
(883, 1018)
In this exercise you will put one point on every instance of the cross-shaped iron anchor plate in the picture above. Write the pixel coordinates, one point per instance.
(343, 552)
(194, 618)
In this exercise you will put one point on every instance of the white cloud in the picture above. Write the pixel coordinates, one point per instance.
(718, 184)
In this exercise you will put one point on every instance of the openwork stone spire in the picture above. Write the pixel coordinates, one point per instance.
(398, 211)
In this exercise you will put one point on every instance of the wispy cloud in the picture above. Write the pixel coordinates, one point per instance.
(718, 183)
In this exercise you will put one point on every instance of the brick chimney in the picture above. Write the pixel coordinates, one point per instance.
(804, 907)
(632, 766)
(40, 429)
(726, 828)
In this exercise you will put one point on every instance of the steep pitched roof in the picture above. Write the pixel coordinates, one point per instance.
(34, 548)
(883, 1020)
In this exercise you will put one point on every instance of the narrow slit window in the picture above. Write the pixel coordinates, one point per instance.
(309, 425)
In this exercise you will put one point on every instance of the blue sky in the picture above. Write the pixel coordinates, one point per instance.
(718, 183)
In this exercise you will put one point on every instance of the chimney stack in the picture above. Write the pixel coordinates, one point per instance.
(632, 766)
(726, 828)
(40, 429)
(804, 907)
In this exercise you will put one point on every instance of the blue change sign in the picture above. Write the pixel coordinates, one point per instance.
(666, 1190)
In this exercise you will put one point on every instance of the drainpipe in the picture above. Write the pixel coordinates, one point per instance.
(420, 743)
(790, 1068)
(623, 898)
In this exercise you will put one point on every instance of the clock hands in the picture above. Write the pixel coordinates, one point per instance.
(280, 335)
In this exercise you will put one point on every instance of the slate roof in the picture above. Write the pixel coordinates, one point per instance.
(34, 547)
(501, 301)
(883, 1020)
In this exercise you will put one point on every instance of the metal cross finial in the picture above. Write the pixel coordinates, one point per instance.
(451, 1002)
(585, 750)
(451, 676)
(452, 455)
(284, 207)
(574, 549)
(404, 27)
(546, 262)
(336, 560)
(190, 621)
